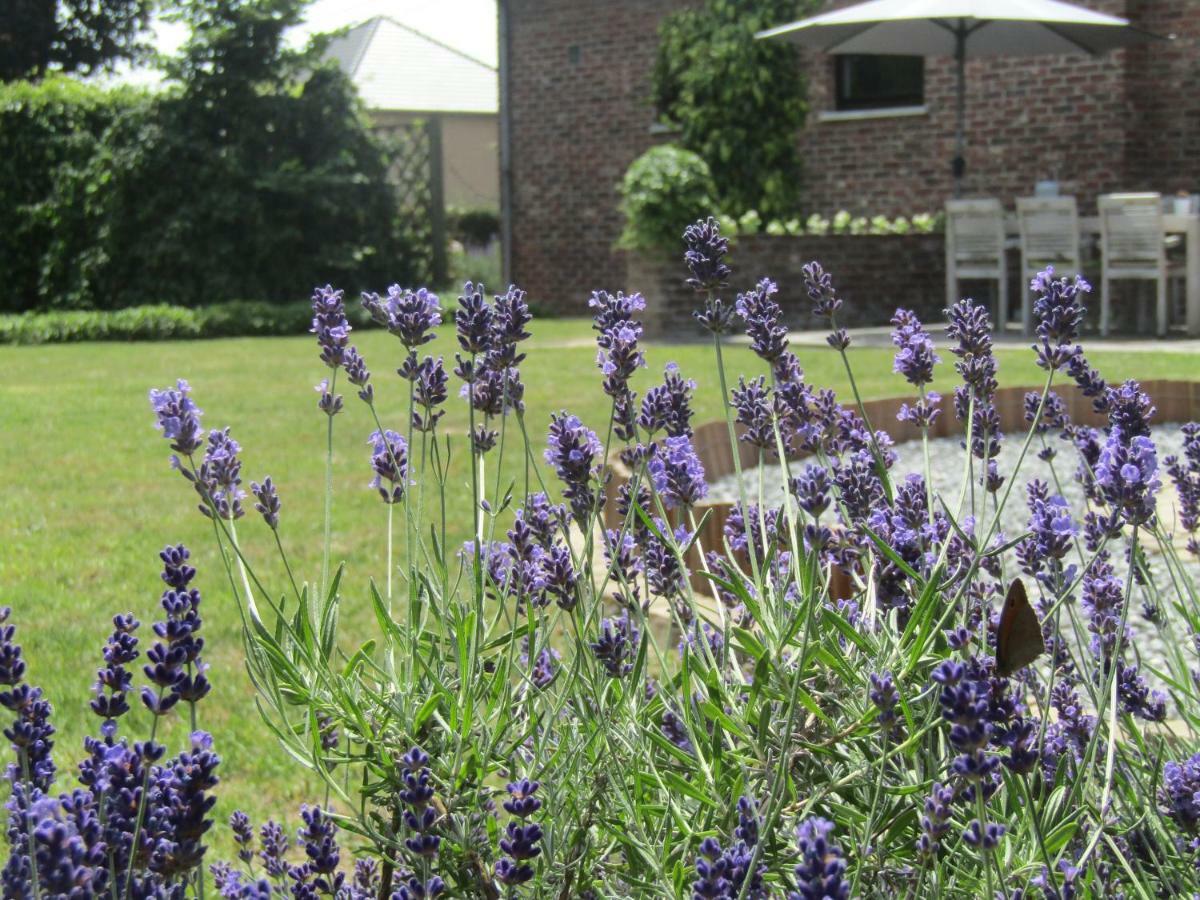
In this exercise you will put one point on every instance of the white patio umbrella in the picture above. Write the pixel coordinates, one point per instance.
(962, 29)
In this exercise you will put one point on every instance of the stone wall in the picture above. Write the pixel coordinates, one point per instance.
(873, 275)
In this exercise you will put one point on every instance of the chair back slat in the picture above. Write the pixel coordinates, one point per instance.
(1131, 229)
(975, 229)
(1049, 228)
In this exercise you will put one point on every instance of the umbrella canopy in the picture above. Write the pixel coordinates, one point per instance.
(962, 29)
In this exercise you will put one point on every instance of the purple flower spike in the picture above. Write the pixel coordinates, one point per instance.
(705, 255)
(1059, 311)
(677, 473)
(1127, 476)
(389, 461)
(574, 450)
(821, 871)
(410, 315)
(329, 402)
(268, 505)
(763, 315)
(473, 319)
(915, 357)
(616, 645)
(178, 417)
(1180, 793)
(330, 325)
(819, 285)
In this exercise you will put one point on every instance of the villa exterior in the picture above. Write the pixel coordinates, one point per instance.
(576, 76)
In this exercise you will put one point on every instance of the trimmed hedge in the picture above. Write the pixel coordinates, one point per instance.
(163, 322)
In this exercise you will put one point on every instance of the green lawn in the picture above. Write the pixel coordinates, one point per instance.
(88, 497)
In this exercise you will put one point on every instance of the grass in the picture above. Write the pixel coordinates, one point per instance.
(89, 497)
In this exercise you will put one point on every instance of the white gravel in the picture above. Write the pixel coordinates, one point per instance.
(947, 458)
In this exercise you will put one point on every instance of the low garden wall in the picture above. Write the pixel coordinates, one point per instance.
(874, 274)
(1175, 401)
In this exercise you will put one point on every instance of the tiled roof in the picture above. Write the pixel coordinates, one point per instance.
(396, 67)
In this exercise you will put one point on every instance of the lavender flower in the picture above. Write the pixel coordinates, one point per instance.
(419, 815)
(1059, 311)
(359, 376)
(173, 663)
(915, 357)
(811, 489)
(884, 695)
(705, 255)
(179, 815)
(218, 481)
(243, 835)
(762, 315)
(1185, 473)
(429, 390)
(677, 473)
(1127, 476)
(389, 461)
(274, 846)
(521, 839)
(1180, 793)
(114, 681)
(318, 838)
(611, 312)
(821, 871)
(819, 285)
(935, 822)
(473, 320)
(616, 645)
(178, 417)
(330, 325)
(30, 732)
(410, 315)
(573, 450)
(268, 504)
(668, 406)
(329, 402)
(752, 401)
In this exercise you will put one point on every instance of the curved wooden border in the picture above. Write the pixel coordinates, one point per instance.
(1175, 401)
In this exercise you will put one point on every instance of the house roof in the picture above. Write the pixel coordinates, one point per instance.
(396, 67)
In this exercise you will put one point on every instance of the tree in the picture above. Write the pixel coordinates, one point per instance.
(738, 102)
(82, 36)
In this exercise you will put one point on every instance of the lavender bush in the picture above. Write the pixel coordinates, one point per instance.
(523, 724)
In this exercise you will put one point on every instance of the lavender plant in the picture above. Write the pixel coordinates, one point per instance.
(595, 698)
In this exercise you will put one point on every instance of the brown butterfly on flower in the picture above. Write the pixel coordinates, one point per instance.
(1019, 635)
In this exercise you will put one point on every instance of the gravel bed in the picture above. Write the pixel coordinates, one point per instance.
(947, 458)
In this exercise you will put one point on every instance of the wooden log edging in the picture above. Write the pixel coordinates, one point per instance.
(1175, 401)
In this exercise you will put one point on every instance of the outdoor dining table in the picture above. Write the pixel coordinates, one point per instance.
(1186, 225)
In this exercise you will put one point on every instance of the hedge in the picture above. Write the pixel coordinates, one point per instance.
(120, 198)
(161, 322)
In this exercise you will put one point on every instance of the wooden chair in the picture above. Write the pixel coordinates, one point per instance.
(1049, 236)
(975, 249)
(1132, 248)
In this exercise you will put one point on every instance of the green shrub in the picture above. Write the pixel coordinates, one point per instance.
(473, 227)
(664, 190)
(163, 322)
(118, 198)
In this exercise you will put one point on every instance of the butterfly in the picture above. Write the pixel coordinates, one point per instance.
(1019, 636)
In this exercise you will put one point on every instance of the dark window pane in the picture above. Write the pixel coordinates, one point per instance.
(871, 82)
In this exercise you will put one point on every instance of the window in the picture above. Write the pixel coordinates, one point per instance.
(878, 82)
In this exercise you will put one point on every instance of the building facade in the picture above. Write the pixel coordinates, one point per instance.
(578, 99)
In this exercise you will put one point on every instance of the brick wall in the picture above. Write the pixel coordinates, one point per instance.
(1164, 80)
(1028, 118)
(873, 276)
(581, 113)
